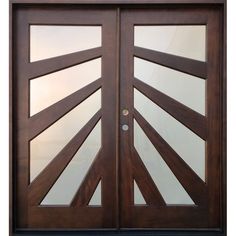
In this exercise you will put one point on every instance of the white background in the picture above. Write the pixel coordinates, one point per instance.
(4, 77)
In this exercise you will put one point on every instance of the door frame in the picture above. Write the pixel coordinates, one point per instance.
(13, 4)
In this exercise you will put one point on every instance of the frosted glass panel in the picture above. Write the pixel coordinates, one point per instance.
(47, 145)
(48, 89)
(96, 199)
(54, 40)
(188, 145)
(138, 197)
(63, 191)
(182, 40)
(187, 89)
(169, 187)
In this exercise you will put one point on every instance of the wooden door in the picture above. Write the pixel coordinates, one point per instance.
(117, 118)
(65, 104)
(170, 149)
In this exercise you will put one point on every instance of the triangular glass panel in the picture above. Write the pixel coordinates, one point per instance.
(138, 196)
(182, 40)
(96, 199)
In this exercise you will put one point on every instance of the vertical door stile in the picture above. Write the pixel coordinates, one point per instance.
(117, 86)
(109, 119)
(126, 102)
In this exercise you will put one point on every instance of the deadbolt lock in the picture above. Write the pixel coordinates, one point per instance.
(125, 112)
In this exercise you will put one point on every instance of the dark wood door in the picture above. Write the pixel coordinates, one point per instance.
(170, 155)
(65, 139)
(117, 117)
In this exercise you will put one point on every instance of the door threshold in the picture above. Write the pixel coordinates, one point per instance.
(125, 232)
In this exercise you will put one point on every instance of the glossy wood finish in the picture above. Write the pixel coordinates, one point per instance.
(29, 195)
(118, 173)
(145, 182)
(126, 232)
(126, 102)
(192, 183)
(206, 213)
(186, 65)
(42, 120)
(121, 1)
(46, 66)
(89, 184)
(45, 180)
(214, 113)
(109, 119)
(191, 119)
(11, 133)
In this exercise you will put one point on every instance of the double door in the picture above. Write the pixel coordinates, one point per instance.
(117, 117)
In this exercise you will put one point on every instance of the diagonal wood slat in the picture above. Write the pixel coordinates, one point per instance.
(145, 182)
(192, 183)
(42, 120)
(188, 117)
(186, 65)
(89, 184)
(45, 180)
(44, 67)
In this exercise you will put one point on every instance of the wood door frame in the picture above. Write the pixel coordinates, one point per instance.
(120, 3)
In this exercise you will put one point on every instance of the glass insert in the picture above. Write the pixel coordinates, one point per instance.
(49, 143)
(181, 40)
(48, 89)
(170, 188)
(187, 144)
(48, 41)
(96, 199)
(188, 90)
(138, 197)
(65, 188)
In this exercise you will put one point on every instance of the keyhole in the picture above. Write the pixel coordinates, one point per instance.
(125, 127)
